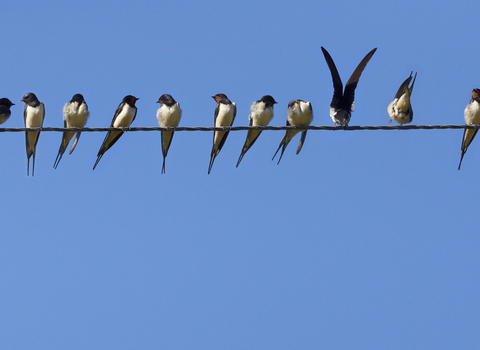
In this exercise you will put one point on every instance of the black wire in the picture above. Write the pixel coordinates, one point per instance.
(238, 128)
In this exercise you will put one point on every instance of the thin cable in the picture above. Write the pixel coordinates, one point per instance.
(238, 128)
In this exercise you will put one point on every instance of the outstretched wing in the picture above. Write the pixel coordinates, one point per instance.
(337, 82)
(349, 95)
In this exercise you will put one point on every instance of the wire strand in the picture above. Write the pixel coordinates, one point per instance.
(239, 128)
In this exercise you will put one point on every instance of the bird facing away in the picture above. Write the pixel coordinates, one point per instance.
(5, 112)
(225, 113)
(33, 115)
(343, 104)
(75, 115)
(261, 113)
(168, 115)
(400, 109)
(299, 113)
(124, 116)
(472, 117)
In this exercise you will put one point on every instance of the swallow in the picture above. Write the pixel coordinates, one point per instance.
(225, 113)
(75, 115)
(343, 104)
(168, 115)
(261, 113)
(400, 109)
(124, 116)
(33, 115)
(299, 113)
(472, 117)
(5, 113)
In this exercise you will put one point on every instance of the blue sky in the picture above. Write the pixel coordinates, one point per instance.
(365, 240)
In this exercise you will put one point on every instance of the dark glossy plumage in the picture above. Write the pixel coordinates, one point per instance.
(225, 113)
(342, 104)
(263, 118)
(472, 117)
(112, 136)
(5, 112)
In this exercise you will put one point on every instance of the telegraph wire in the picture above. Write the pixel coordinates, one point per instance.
(239, 128)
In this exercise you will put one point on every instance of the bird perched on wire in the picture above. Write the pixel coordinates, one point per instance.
(5, 112)
(299, 113)
(342, 104)
(75, 115)
(472, 117)
(225, 113)
(33, 114)
(261, 113)
(400, 109)
(124, 116)
(168, 115)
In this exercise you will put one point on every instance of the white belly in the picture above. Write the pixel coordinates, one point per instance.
(169, 116)
(34, 116)
(125, 117)
(472, 113)
(225, 115)
(259, 115)
(75, 117)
